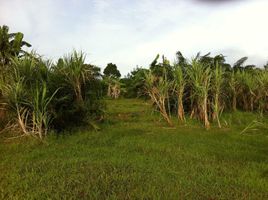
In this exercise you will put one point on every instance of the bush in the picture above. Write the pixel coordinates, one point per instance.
(39, 95)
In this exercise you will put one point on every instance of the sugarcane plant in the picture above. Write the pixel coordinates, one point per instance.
(199, 76)
(217, 82)
(233, 88)
(39, 110)
(26, 96)
(158, 89)
(262, 91)
(13, 98)
(205, 87)
(114, 87)
(179, 87)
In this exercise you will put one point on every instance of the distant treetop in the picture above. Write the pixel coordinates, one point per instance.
(111, 71)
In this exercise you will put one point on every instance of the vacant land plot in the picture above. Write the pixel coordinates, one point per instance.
(135, 156)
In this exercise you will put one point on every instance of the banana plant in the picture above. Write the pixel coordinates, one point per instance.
(11, 45)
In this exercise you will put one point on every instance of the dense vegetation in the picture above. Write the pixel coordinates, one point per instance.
(202, 88)
(38, 95)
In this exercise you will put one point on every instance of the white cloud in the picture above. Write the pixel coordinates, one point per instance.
(131, 33)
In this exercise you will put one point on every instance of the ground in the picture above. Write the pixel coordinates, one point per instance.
(136, 156)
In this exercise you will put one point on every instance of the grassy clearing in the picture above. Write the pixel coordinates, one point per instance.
(135, 156)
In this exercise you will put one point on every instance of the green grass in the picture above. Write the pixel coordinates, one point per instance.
(135, 156)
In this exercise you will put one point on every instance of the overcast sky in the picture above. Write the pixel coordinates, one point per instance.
(132, 32)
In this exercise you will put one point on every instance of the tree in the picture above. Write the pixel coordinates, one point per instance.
(134, 83)
(238, 65)
(10, 45)
(111, 78)
(161, 69)
(111, 71)
(181, 60)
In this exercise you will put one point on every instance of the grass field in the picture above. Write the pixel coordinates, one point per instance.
(135, 156)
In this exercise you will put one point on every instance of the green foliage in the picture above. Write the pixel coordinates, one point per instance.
(79, 99)
(74, 71)
(158, 89)
(111, 71)
(25, 94)
(134, 83)
(40, 96)
(199, 76)
(207, 86)
(161, 69)
(10, 45)
(217, 92)
(111, 76)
